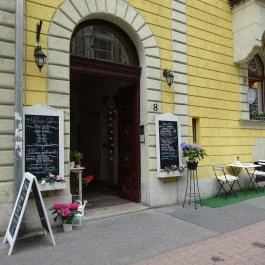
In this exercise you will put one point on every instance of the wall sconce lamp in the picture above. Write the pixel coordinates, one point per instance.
(169, 76)
(40, 57)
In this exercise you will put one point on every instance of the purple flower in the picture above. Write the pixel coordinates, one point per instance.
(196, 147)
(192, 152)
(185, 146)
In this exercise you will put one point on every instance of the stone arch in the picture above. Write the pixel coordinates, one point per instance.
(71, 13)
(65, 19)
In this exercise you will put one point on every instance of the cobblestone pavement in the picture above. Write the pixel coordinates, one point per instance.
(245, 246)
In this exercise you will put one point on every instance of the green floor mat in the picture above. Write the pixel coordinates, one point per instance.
(215, 202)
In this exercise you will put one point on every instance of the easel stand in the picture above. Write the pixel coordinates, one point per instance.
(29, 183)
(192, 188)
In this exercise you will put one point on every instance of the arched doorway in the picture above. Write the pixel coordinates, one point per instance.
(104, 107)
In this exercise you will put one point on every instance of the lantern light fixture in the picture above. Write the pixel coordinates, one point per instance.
(40, 57)
(168, 74)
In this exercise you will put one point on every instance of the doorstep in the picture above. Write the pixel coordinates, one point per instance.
(112, 210)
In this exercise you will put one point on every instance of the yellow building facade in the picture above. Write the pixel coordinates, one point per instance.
(197, 40)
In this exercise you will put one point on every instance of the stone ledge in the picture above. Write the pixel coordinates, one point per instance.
(164, 174)
(252, 124)
(54, 186)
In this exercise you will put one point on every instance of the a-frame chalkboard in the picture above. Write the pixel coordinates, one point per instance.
(29, 183)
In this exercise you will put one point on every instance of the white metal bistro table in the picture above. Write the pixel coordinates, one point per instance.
(237, 167)
(78, 171)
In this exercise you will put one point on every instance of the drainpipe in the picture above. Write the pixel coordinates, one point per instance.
(18, 98)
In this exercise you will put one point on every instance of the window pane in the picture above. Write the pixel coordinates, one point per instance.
(256, 82)
(195, 130)
(103, 41)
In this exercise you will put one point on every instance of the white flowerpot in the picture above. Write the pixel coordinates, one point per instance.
(67, 227)
(72, 164)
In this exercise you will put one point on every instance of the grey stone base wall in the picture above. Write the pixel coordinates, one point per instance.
(7, 84)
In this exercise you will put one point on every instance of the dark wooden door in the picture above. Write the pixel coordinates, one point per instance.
(129, 146)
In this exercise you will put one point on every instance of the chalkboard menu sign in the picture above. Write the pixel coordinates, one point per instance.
(168, 140)
(29, 183)
(168, 145)
(43, 141)
(41, 145)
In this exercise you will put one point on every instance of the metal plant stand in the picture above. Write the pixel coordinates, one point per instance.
(78, 171)
(192, 188)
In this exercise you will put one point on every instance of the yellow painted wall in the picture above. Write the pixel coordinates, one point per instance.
(158, 16)
(213, 78)
(156, 13)
(35, 81)
(213, 81)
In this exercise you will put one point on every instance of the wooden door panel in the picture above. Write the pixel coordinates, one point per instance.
(129, 147)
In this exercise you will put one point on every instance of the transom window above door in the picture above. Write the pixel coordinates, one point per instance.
(256, 91)
(103, 40)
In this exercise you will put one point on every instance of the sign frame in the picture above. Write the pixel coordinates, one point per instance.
(10, 236)
(168, 117)
(46, 110)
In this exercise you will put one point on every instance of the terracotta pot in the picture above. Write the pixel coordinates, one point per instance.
(77, 165)
(192, 164)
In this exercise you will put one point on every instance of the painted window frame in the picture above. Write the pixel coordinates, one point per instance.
(256, 81)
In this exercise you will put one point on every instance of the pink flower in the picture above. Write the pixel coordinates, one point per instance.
(66, 204)
(73, 206)
(88, 179)
(58, 178)
(65, 212)
(57, 206)
(51, 175)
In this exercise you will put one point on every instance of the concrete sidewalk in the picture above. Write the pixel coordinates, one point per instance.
(170, 235)
(245, 246)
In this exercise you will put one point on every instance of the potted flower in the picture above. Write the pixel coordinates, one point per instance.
(169, 169)
(87, 180)
(193, 153)
(78, 157)
(52, 182)
(66, 213)
(52, 178)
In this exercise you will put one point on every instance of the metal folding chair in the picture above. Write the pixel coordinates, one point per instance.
(257, 177)
(226, 181)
